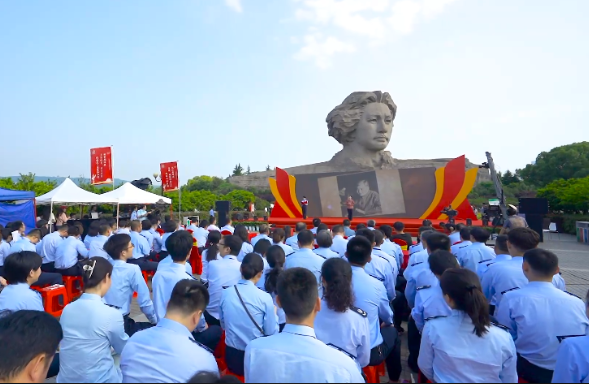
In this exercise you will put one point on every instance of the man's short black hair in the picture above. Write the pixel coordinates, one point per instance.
(305, 238)
(234, 243)
(465, 233)
(300, 226)
(387, 230)
(399, 226)
(426, 223)
(324, 239)
(367, 233)
(316, 222)
(146, 225)
(481, 235)
(501, 243)
(440, 261)
(179, 245)
(347, 223)
(104, 229)
(73, 230)
(322, 227)
(18, 266)
(34, 233)
(438, 241)
(378, 236)
(425, 228)
(24, 335)
(360, 226)
(542, 261)
(371, 223)
(359, 250)
(188, 296)
(298, 292)
(523, 239)
(338, 229)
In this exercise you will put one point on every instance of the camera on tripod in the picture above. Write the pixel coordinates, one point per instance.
(451, 213)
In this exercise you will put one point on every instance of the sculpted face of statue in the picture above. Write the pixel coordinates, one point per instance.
(363, 124)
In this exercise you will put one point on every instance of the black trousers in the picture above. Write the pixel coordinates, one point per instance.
(532, 373)
(235, 360)
(54, 367)
(211, 320)
(49, 279)
(209, 338)
(2, 271)
(389, 352)
(304, 211)
(75, 270)
(350, 213)
(144, 264)
(491, 310)
(400, 309)
(132, 327)
(414, 344)
(49, 267)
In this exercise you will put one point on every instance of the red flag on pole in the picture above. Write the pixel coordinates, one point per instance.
(101, 166)
(169, 173)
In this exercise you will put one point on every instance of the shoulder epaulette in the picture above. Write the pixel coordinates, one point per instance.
(113, 306)
(292, 253)
(192, 277)
(200, 345)
(509, 290)
(563, 338)
(435, 317)
(359, 311)
(423, 287)
(225, 287)
(573, 295)
(342, 351)
(488, 265)
(379, 279)
(323, 257)
(484, 261)
(414, 264)
(464, 246)
(503, 327)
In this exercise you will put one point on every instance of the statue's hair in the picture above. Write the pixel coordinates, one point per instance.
(342, 120)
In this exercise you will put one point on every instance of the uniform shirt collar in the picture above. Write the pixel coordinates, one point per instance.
(118, 262)
(245, 282)
(230, 257)
(477, 244)
(174, 326)
(91, 297)
(336, 236)
(301, 330)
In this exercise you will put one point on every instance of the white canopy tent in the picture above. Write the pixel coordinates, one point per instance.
(130, 194)
(68, 193)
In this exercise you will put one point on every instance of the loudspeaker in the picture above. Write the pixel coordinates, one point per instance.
(223, 207)
(535, 222)
(533, 206)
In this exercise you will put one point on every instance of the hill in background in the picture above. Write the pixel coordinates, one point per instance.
(60, 180)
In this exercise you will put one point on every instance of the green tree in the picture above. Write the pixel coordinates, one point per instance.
(200, 183)
(509, 178)
(570, 196)
(249, 171)
(238, 170)
(268, 168)
(566, 162)
(239, 198)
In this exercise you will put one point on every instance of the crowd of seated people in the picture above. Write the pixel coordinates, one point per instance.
(312, 307)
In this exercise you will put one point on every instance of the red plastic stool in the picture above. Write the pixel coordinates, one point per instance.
(73, 291)
(371, 375)
(147, 275)
(220, 350)
(222, 365)
(51, 299)
(381, 370)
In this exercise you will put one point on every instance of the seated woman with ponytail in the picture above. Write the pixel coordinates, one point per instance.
(90, 329)
(246, 247)
(466, 347)
(261, 249)
(276, 259)
(339, 323)
(127, 279)
(211, 253)
(246, 313)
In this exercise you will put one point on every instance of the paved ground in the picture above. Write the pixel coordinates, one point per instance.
(574, 265)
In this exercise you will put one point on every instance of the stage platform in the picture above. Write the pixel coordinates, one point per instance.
(411, 225)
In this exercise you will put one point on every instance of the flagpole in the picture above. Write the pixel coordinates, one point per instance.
(179, 196)
(112, 168)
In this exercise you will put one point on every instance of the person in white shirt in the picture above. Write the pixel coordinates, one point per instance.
(212, 226)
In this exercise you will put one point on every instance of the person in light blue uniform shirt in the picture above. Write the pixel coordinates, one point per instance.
(379, 239)
(465, 237)
(339, 322)
(295, 355)
(22, 270)
(68, 252)
(4, 247)
(478, 252)
(168, 352)
(454, 231)
(180, 246)
(169, 227)
(167, 261)
(93, 231)
(305, 257)
(97, 245)
(433, 241)
(127, 279)
(340, 244)
(246, 313)
(157, 238)
(142, 213)
(49, 248)
(539, 316)
(200, 234)
(325, 241)
(502, 253)
(316, 223)
(466, 347)
(223, 274)
(264, 231)
(379, 266)
(508, 275)
(146, 232)
(278, 236)
(90, 330)
(134, 215)
(276, 259)
(261, 249)
(141, 249)
(246, 248)
(210, 254)
(293, 241)
(26, 243)
(370, 296)
(348, 231)
(572, 361)
(430, 302)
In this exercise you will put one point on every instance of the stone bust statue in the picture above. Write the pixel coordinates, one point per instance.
(363, 124)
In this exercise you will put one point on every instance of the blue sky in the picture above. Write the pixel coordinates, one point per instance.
(213, 83)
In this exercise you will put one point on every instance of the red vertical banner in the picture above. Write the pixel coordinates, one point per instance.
(169, 173)
(101, 166)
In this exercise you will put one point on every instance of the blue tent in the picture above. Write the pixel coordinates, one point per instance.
(13, 212)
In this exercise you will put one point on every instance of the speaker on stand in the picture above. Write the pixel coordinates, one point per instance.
(223, 208)
(534, 209)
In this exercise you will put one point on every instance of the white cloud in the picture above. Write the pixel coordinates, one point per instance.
(361, 22)
(321, 50)
(235, 5)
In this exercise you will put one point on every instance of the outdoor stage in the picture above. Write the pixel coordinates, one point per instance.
(411, 225)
